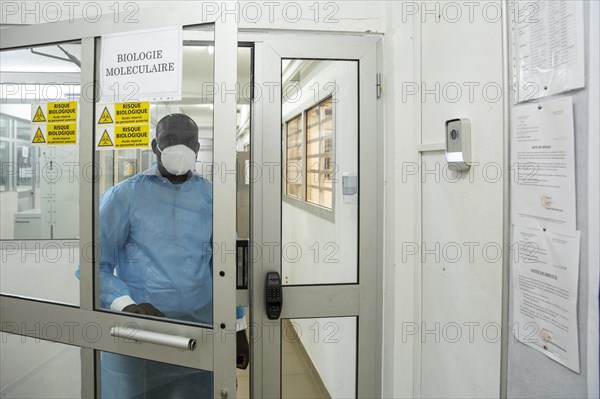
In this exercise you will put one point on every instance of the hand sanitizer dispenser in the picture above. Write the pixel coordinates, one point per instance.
(458, 144)
(350, 187)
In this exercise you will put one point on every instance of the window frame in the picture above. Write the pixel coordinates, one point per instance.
(301, 110)
(320, 154)
(302, 159)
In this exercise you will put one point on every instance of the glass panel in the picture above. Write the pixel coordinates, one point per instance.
(156, 203)
(22, 130)
(5, 130)
(318, 358)
(6, 174)
(313, 194)
(40, 190)
(41, 269)
(39, 183)
(327, 183)
(324, 223)
(313, 148)
(312, 131)
(130, 377)
(312, 163)
(32, 368)
(312, 179)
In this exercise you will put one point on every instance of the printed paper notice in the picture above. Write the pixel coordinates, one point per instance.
(141, 65)
(548, 47)
(545, 272)
(543, 165)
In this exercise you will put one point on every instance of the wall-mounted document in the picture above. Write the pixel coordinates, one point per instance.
(548, 47)
(141, 65)
(545, 271)
(543, 165)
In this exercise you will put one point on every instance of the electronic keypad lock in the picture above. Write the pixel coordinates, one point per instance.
(458, 144)
(273, 295)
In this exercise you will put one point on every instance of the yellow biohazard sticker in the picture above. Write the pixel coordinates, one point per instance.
(132, 136)
(38, 138)
(54, 123)
(105, 117)
(105, 140)
(123, 125)
(62, 133)
(39, 115)
(62, 112)
(134, 112)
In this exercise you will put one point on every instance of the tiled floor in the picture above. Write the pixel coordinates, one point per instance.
(297, 380)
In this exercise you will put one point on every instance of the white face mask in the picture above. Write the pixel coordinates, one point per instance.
(178, 159)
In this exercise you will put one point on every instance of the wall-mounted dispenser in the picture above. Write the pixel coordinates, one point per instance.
(458, 144)
(350, 188)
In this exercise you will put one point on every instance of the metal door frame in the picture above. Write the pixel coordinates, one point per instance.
(363, 300)
(22, 315)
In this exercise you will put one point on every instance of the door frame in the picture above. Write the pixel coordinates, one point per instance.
(344, 299)
(70, 324)
(363, 300)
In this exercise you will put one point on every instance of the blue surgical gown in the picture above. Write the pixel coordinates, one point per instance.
(155, 247)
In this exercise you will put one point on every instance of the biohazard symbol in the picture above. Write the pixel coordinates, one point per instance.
(105, 117)
(39, 137)
(105, 140)
(39, 116)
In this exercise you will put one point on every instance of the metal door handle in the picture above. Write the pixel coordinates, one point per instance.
(173, 341)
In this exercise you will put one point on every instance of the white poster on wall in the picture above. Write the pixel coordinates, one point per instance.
(141, 65)
(545, 274)
(548, 47)
(543, 165)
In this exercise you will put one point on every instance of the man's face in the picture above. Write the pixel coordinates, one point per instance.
(171, 137)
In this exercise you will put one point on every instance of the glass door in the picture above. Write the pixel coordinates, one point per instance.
(118, 279)
(317, 219)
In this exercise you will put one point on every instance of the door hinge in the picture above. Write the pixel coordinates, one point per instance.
(378, 85)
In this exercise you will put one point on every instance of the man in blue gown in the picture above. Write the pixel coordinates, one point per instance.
(156, 260)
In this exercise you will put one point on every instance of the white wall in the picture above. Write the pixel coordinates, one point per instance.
(457, 210)
(402, 118)
(303, 15)
(440, 211)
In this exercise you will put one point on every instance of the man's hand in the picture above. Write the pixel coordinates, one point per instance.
(243, 350)
(145, 309)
